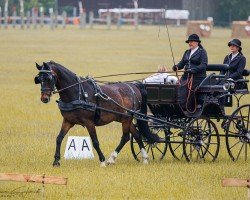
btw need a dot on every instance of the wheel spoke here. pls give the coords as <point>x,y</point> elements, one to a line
<point>213,143</point>
<point>152,153</point>
<point>248,118</point>
<point>159,150</point>
<point>201,156</point>
<point>208,151</point>
<point>235,144</point>
<point>246,152</point>
<point>242,119</point>
<point>191,151</point>
<point>236,134</point>
<point>148,148</point>
<point>177,147</point>
<point>206,131</point>
<point>239,151</point>
<point>197,156</point>
<point>202,153</point>
<point>207,136</point>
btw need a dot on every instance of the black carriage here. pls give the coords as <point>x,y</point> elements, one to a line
<point>195,136</point>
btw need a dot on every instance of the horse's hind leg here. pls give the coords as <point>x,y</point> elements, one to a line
<point>138,139</point>
<point>92,132</point>
<point>66,126</point>
<point>124,139</point>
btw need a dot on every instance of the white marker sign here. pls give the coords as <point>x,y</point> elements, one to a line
<point>78,148</point>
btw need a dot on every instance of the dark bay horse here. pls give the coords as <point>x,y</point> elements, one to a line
<point>115,97</point>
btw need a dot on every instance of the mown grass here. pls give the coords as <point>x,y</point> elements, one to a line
<point>28,128</point>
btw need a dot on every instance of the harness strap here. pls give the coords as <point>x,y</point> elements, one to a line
<point>82,92</point>
<point>134,94</point>
<point>97,88</point>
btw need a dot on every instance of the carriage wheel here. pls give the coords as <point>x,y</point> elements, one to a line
<point>155,151</point>
<point>175,140</point>
<point>238,133</point>
<point>201,141</point>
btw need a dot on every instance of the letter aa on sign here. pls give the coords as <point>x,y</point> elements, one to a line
<point>78,148</point>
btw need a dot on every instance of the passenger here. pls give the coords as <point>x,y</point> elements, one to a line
<point>194,62</point>
<point>161,77</point>
<point>236,61</point>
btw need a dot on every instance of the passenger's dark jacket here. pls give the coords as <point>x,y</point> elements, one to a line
<point>236,66</point>
<point>197,63</point>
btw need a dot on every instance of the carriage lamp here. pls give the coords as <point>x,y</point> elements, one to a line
<point>229,85</point>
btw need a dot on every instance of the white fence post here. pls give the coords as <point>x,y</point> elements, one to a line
<point>136,23</point>
<point>0,17</point>
<point>91,19</point>
<point>28,19</point>
<point>14,15</point>
<point>82,20</point>
<point>119,20</point>
<point>51,18</point>
<point>64,15</point>
<point>34,17</point>
<point>82,16</point>
<point>6,14</point>
<point>21,14</point>
<point>136,14</point>
<point>41,10</point>
<point>108,20</point>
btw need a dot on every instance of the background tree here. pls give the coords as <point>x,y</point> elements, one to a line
<point>230,10</point>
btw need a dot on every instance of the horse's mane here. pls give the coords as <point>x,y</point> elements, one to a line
<point>61,68</point>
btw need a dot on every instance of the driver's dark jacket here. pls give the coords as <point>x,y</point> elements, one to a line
<point>197,63</point>
<point>236,66</point>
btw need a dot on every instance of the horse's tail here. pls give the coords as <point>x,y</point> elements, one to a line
<point>143,125</point>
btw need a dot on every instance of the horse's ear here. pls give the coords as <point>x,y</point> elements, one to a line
<point>38,67</point>
<point>46,66</point>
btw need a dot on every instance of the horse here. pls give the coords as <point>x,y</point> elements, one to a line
<point>86,103</point>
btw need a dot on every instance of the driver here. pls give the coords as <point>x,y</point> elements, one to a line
<point>194,62</point>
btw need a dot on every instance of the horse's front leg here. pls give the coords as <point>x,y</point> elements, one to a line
<point>92,132</point>
<point>66,126</point>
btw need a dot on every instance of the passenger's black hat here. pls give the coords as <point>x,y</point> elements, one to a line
<point>193,37</point>
<point>235,42</point>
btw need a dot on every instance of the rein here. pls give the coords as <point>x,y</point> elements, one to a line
<point>111,75</point>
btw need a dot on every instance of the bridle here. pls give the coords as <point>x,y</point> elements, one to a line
<point>50,78</point>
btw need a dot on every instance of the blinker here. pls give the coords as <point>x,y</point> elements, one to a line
<point>37,80</point>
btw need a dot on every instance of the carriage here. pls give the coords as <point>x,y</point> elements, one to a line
<point>197,136</point>
<point>194,136</point>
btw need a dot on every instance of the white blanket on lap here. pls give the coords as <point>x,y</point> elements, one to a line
<point>161,78</point>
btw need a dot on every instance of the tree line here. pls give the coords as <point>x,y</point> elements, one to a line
<point>225,12</point>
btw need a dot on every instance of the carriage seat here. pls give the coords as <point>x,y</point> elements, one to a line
<point>217,67</point>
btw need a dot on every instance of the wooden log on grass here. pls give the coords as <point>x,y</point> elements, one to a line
<point>235,182</point>
<point>33,178</point>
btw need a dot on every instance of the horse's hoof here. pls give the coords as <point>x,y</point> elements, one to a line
<point>56,164</point>
<point>145,161</point>
<point>103,164</point>
<point>111,161</point>
<point>112,158</point>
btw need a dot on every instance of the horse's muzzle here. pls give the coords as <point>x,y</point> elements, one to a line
<point>45,98</point>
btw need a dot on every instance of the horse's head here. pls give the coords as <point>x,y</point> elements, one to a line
<point>47,78</point>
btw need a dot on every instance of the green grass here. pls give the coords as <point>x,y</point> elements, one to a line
<point>28,128</point>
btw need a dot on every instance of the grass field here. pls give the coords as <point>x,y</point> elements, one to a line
<point>28,128</point>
